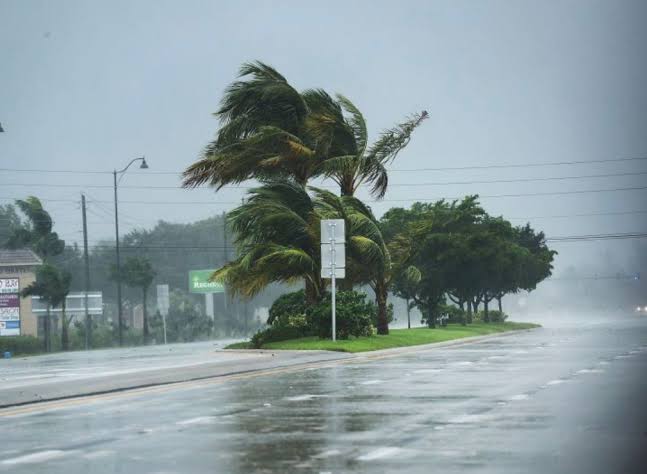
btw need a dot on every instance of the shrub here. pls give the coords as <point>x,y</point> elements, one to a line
<point>20,345</point>
<point>494,315</point>
<point>286,306</point>
<point>454,313</point>
<point>354,316</point>
<point>275,334</point>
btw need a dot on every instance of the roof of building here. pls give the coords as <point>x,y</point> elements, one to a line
<point>18,257</point>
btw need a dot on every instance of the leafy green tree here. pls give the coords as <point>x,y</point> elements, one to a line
<point>185,321</point>
<point>137,272</point>
<point>9,222</point>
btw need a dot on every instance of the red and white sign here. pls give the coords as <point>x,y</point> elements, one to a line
<point>9,307</point>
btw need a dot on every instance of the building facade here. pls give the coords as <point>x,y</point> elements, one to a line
<point>17,271</point>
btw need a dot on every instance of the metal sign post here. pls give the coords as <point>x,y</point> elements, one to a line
<point>333,259</point>
<point>163,304</point>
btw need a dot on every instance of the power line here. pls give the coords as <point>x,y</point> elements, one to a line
<point>437,183</point>
<point>593,237</point>
<point>446,168</point>
<point>567,238</point>
<point>481,196</point>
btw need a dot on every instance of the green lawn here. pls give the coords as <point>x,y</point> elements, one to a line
<point>396,338</point>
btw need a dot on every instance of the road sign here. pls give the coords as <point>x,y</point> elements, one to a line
<point>199,282</point>
<point>163,304</point>
<point>333,229</point>
<point>326,272</point>
<point>163,301</point>
<point>327,255</point>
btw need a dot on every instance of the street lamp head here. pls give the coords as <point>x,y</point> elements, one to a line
<point>143,166</point>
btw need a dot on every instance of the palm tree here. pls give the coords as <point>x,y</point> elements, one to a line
<point>37,233</point>
<point>137,272</point>
<point>351,161</point>
<point>52,286</point>
<point>269,130</point>
<point>277,235</point>
<point>278,238</point>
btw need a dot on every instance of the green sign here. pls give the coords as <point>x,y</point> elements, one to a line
<point>199,282</point>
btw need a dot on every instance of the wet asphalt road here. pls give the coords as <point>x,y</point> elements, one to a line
<point>553,400</point>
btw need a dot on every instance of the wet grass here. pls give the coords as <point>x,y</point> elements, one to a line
<point>395,338</point>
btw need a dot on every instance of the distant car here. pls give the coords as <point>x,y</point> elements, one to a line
<point>641,309</point>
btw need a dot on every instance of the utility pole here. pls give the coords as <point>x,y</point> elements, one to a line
<point>119,314</point>
<point>225,257</point>
<point>86,258</point>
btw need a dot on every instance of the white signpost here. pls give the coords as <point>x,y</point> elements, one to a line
<point>163,304</point>
<point>333,257</point>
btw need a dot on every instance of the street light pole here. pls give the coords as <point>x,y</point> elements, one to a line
<point>118,275</point>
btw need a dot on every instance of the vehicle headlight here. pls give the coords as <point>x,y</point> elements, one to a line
<point>645,309</point>
<point>638,308</point>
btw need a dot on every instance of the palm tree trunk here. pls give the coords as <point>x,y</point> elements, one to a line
<point>486,314</point>
<point>381,295</point>
<point>469,311</point>
<point>499,301</point>
<point>431,318</point>
<point>408,314</point>
<point>145,291</point>
<point>65,341</point>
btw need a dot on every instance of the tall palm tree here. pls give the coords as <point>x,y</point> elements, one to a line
<point>278,239</point>
<point>270,130</point>
<point>137,272</point>
<point>52,286</point>
<point>37,234</point>
<point>351,162</point>
<point>277,235</point>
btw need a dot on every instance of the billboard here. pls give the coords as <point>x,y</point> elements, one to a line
<point>199,282</point>
<point>9,307</point>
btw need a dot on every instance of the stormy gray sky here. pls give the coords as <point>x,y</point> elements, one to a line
<point>88,85</point>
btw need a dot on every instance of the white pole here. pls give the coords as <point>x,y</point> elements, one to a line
<point>164,325</point>
<point>332,276</point>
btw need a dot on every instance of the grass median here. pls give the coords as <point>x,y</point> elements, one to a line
<point>395,338</point>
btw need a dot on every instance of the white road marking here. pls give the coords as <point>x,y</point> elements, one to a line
<point>40,456</point>
<point>380,453</point>
<point>520,396</point>
<point>200,420</point>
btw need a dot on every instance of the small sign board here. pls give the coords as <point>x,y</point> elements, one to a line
<point>333,228</point>
<point>9,285</point>
<point>199,282</point>
<point>326,272</point>
<point>163,302</point>
<point>327,255</point>
<point>9,307</point>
